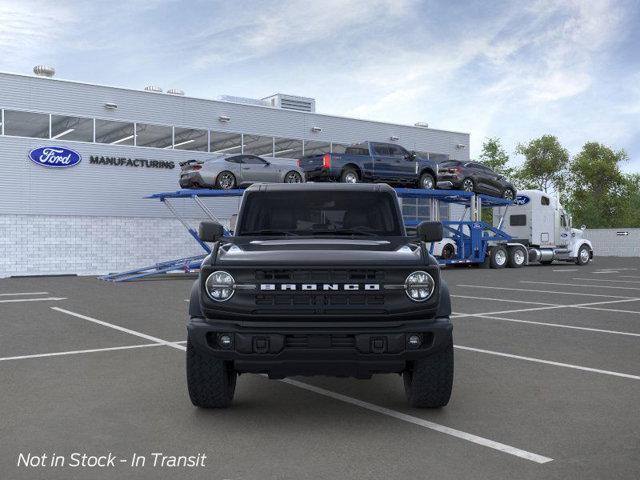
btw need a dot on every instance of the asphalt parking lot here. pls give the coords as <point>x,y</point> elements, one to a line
<point>547,385</point>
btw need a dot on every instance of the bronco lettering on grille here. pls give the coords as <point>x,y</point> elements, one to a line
<point>318,286</point>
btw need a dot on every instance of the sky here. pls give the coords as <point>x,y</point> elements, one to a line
<point>514,70</point>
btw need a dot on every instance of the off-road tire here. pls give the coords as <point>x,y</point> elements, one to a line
<point>428,381</point>
<point>495,258</point>
<point>211,382</point>
<point>349,171</point>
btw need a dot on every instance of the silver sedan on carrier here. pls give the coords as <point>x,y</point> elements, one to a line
<point>234,171</point>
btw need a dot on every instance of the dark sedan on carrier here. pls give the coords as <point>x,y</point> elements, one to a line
<point>474,177</point>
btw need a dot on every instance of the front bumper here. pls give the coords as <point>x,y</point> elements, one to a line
<point>281,350</point>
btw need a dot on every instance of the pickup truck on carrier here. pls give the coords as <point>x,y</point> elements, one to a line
<point>319,279</point>
<point>372,162</point>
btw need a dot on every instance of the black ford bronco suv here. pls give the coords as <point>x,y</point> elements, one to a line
<point>319,279</point>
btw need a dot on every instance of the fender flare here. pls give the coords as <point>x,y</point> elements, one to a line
<point>444,307</point>
<point>578,245</point>
<point>194,300</point>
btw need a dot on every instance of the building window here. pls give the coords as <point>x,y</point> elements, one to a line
<point>157,136</point>
<point>26,124</point>
<point>226,143</point>
<point>114,133</point>
<point>312,147</point>
<point>338,147</point>
<point>258,145</point>
<point>72,128</point>
<point>190,139</point>
<point>287,148</point>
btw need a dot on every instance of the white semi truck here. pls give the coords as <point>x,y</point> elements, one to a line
<point>540,223</point>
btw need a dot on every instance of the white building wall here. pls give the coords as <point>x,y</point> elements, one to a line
<point>610,242</point>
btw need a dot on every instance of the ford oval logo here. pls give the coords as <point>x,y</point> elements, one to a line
<point>521,200</point>
<point>55,157</point>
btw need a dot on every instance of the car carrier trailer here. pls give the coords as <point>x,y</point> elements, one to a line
<point>472,241</point>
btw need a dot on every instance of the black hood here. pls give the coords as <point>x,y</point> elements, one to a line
<point>396,251</point>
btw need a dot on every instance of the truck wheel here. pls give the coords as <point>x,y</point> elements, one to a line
<point>428,382</point>
<point>211,382</point>
<point>427,181</point>
<point>517,257</point>
<point>583,255</point>
<point>448,251</point>
<point>499,257</point>
<point>349,175</point>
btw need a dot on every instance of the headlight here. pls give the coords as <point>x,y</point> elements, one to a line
<point>220,286</point>
<point>419,286</point>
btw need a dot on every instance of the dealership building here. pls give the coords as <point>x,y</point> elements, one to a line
<point>92,217</point>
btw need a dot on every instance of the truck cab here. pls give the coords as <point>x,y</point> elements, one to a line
<point>538,221</point>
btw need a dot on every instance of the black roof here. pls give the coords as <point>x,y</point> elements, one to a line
<point>320,187</point>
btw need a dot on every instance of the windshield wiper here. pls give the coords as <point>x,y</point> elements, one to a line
<point>268,231</point>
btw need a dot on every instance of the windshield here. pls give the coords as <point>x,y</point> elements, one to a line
<point>331,213</point>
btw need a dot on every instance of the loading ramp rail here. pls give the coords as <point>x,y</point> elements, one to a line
<point>472,237</point>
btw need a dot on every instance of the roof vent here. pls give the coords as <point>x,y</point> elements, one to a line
<point>44,71</point>
<point>292,102</point>
<point>153,88</point>
<point>422,124</point>
<point>175,91</point>
<point>243,100</point>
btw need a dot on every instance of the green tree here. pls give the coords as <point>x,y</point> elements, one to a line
<point>495,157</point>
<point>599,193</point>
<point>631,200</point>
<point>545,165</point>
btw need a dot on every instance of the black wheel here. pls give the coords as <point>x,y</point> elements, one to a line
<point>517,257</point>
<point>293,177</point>
<point>584,255</point>
<point>509,194</point>
<point>211,382</point>
<point>428,381</point>
<point>498,257</point>
<point>225,180</point>
<point>448,251</point>
<point>427,181</point>
<point>468,185</point>
<point>349,175</point>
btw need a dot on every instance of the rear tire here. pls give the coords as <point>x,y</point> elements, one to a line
<point>499,257</point>
<point>517,257</point>
<point>349,175</point>
<point>225,180</point>
<point>211,382</point>
<point>428,382</point>
<point>448,251</point>
<point>427,181</point>
<point>293,177</point>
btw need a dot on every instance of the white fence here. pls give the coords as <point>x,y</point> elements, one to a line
<point>614,242</point>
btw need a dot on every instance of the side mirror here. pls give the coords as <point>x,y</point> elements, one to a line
<point>210,231</point>
<point>430,231</point>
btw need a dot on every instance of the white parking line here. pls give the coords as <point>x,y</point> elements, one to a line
<point>604,280</point>
<point>577,305</point>
<point>503,300</point>
<point>121,329</point>
<point>23,293</point>
<point>529,290</point>
<point>369,406</point>
<point>615,287</point>
<point>485,442</point>
<point>76,352</point>
<point>549,362</point>
<point>548,324</point>
<point>565,269</point>
<point>43,299</point>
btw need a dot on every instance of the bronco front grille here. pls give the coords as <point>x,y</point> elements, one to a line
<point>318,276</point>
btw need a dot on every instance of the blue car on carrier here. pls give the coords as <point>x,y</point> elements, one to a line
<point>372,162</point>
